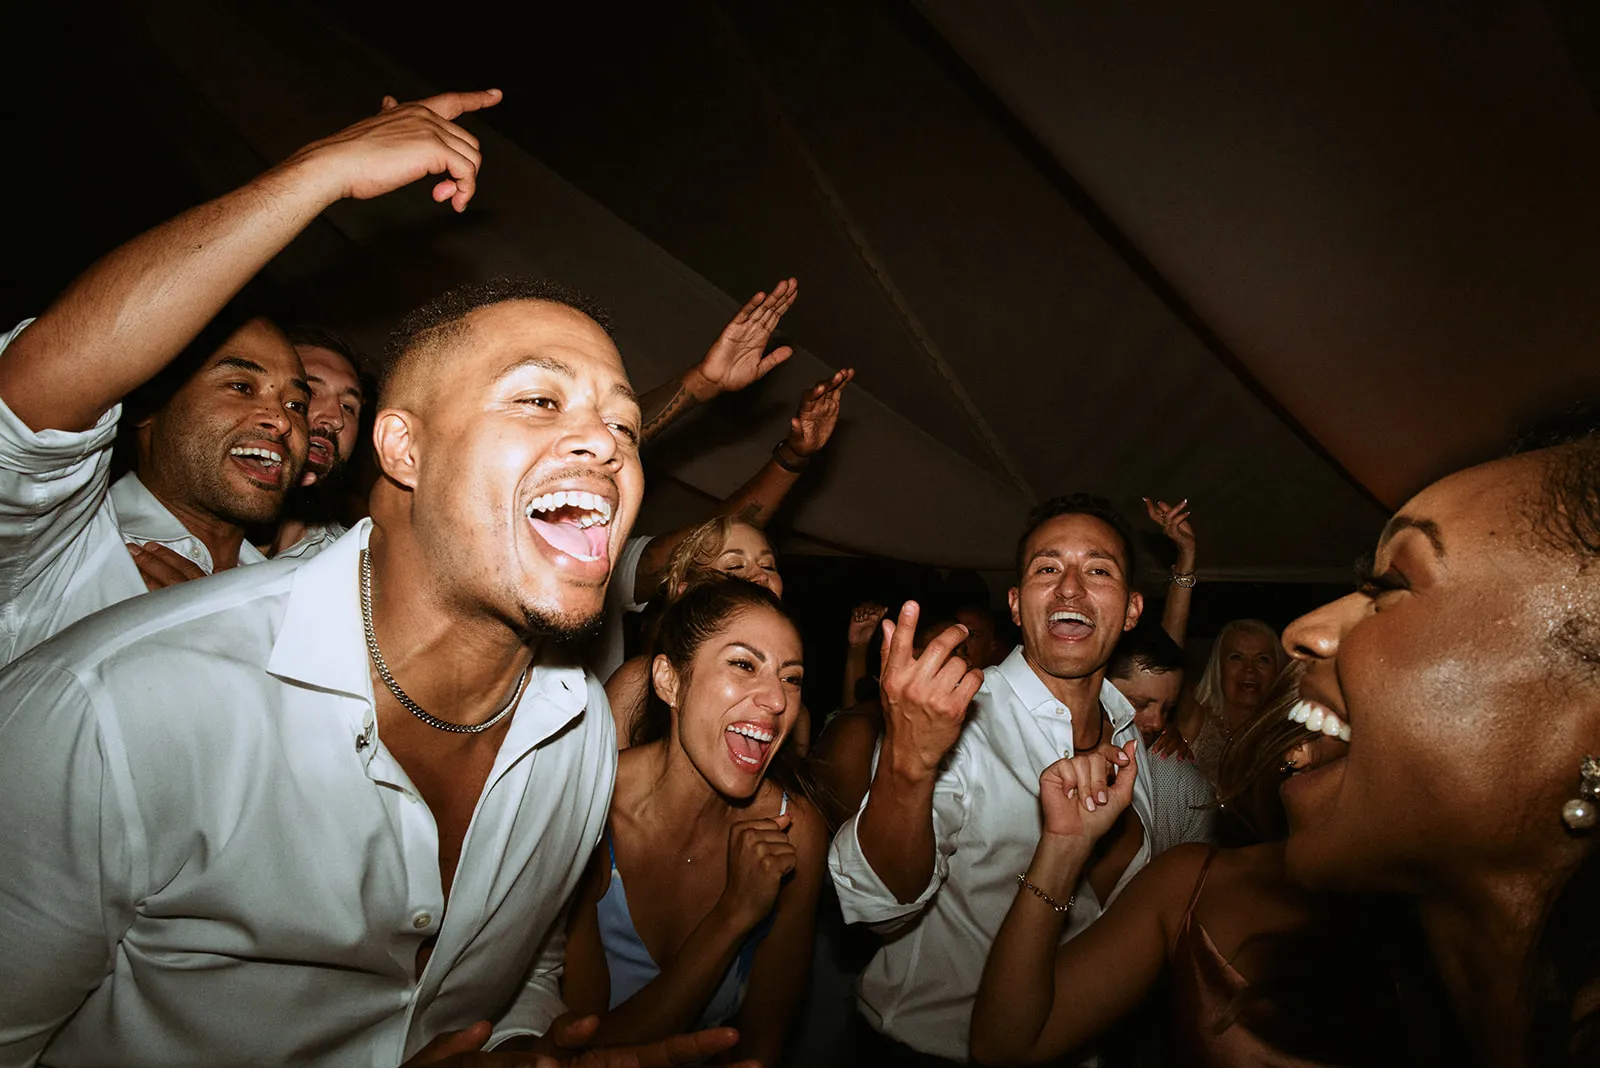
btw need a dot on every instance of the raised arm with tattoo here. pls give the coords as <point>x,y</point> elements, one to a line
<point>758,499</point>
<point>737,358</point>
<point>131,313</point>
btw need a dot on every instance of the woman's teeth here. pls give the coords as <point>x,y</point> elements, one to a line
<point>1317,718</point>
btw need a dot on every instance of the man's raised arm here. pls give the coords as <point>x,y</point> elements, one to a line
<point>925,700</point>
<point>737,358</point>
<point>135,310</point>
<point>758,499</point>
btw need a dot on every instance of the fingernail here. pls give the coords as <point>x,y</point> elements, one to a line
<point>1102,797</point>
<point>137,550</point>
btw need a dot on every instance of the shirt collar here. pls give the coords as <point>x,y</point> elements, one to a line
<point>1037,698</point>
<point>143,518</point>
<point>323,644</point>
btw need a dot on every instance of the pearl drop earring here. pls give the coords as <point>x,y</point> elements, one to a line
<point>1580,813</point>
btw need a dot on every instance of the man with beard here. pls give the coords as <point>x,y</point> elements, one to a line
<point>952,815</point>
<point>312,512</point>
<point>330,813</point>
<point>310,519</point>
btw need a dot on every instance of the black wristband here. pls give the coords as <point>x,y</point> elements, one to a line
<point>794,468</point>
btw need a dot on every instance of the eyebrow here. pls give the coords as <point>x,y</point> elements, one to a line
<point>239,363</point>
<point>1427,527</point>
<point>1090,554</point>
<point>351,390</point>
<point>759,655</point>
<point>559,367</point>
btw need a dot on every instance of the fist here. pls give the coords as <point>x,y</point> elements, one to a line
<point>1083,795</point>
<point>760,857</point>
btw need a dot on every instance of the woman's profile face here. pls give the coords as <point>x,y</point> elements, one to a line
<point>741,699</point>
<point>1249,665</point>
<point>1467,717</point>
<point>746,554</point>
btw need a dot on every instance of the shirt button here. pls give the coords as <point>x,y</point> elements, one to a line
<point>421,920</point>
<point>1060,711</point>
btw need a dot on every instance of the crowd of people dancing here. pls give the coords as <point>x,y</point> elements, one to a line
<point>347,719</point>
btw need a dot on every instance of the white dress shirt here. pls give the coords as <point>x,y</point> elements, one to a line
<point>919,988</point>
<point>607,652</point>
<point>208,856</point>
<point>63,535</point>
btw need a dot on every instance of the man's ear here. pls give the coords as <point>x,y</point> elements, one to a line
<point>665,680</point>
<point>395,442</point>
<point>1135,610</point>
<point>1014,599</point>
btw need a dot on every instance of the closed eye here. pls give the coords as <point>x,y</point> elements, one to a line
<point>1371,584</point>
<point>626,431</point>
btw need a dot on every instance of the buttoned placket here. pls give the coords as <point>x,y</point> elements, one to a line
<point>531,724</point>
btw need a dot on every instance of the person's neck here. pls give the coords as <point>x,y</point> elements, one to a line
<point>1480,942</point>
<point>220,536</point>
<point>679,795</point>
<point>1082,698</point>
<point>458,667</point>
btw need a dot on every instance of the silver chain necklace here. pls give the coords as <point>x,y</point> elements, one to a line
<point>394,687</point>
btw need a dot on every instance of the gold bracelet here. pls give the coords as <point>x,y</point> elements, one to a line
<point>1042,896</point>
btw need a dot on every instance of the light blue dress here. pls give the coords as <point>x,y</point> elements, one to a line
<point>631,965</point>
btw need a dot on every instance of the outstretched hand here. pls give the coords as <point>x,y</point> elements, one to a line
<point>1083,795</point>
<point>739,356</point>
<point>925,698</point>
<point>818,414</point>
<point>401,144</point>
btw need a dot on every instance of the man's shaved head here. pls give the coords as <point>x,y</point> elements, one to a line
<point>418,346</point>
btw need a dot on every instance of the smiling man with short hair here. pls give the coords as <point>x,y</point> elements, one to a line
<point>330,812</point>
<point>952,815</point>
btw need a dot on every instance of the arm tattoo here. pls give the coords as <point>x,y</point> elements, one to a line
<point>680,401</point>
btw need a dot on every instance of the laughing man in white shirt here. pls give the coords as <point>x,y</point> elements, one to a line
<point>330,813</point>
<point>952,816</point>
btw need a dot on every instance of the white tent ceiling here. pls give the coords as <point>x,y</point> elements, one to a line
<point>1285,265</point>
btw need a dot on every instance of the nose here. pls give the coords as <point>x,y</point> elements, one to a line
<point>328,414</point>
<point>769,695</point>
<point>273,417</point>
<point>1316,635</point>
<point>588,437</point>
<point>1070,582</point>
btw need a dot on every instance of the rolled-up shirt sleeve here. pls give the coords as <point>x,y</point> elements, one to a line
<point>539,1001</point>
<point>863,897</point>
<point>52,483</point>
<point>66,898</point>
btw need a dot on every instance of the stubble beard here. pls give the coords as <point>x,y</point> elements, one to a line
<point>204,484</point>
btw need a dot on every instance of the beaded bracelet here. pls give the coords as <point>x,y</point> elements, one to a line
<point>1042,896</point>
<point>1183,578</point>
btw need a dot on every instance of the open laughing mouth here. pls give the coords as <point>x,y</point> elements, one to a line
<point>319,455</point>
<point>1070,626</point>
<point>261,464</point>
<point>1323,757</point>
<point>748,745</point>
<point>575,527</point>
